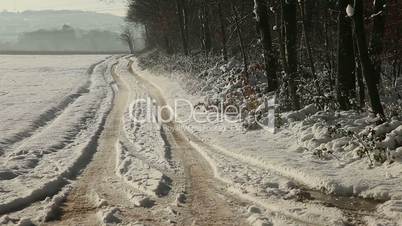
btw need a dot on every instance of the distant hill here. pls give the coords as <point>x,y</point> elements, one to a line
<point>69,39</point>
<point>14,24</point>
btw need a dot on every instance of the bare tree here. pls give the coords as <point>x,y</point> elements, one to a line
<point>223,31</point>
<point>346,80</point>
<point>264,27</point>
<point>368,70</point>
<point>377,36</point>
<point>305,23</point>
<point>289,8</point>
<point>236,16</point>
<point>181,17</point>
<point>127,36</point>
<point>205,27</point>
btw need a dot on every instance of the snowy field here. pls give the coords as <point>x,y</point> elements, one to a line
<point>76,134</point>
<point>51,108</point>
<point>33,88</point>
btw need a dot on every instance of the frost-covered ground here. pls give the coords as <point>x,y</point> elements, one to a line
<point>78,159</point>
<point>143,154</point>
<point>54,116</point>
<point>35,88</point>
<point>303,150</point>
<point>51,110</point>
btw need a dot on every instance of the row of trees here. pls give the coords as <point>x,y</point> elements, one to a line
<point>337,45</point>
<point>67,38</point>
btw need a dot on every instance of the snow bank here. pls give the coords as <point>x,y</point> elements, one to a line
<point>109,216</point>
<point>392,209</point>
<point>50,210</point>
<point>301,114</point>
<point>268,189</point>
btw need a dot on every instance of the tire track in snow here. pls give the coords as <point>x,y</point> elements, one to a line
<point>207,204</point>
<point>45,119</point>
<point>100,179</point>
<point>54,186</point>
<point>353,209</point>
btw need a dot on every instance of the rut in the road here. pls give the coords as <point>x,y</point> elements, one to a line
<point>208,205</point>
<point>79,208</point>
<point>205,204</point>
<point>99,179</point>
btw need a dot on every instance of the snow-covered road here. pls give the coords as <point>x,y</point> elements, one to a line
<point>80,146</point>
<point>145,180</point>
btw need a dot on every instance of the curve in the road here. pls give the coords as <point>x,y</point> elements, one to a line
<point>208,204</point>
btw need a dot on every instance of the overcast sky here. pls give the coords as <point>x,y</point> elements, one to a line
<point>116,7</point>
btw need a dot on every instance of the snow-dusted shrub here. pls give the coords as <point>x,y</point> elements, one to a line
<point>222,83</point>
<point>307,90</point>
<point>392,97</point>
<point>378,143</point>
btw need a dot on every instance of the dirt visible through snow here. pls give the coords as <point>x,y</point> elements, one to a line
<point>155,173</point>
<point>205,201</point>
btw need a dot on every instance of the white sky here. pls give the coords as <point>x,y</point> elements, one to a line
<point>116,7</point>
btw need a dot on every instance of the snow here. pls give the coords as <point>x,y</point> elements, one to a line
<point>392,209</point>
<point>109,216</point>
<point>142,152</point>
<point>244,179</point>
<point>257,220</point>
<point>300,114</point>
<point>53,113</point>
<point>181,198</point>
<point>248,159</point>
<point>350,11</point>
<point>25,222</point>
<point>141,176</point>
<point>50,210</point>
<point>27,103</point>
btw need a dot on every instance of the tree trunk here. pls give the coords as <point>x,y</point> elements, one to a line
<point>359,76</point>
<point>377,36</point>
<point>360,82</point>
<point>346,80</point>
<point>206,40</point>
<point>308,45</point>
<point>308,7</point>
<point>328,50</point>
<point>396,71</point>
<point>290,25</point>
<point>398,74</point>
<point>306,36</point>
<point>328,54</point>
<point>148,42</point>
<point>168,48</point>
<point>241,40</point>
<point>264,27</point>
<point>281,31</point>
<point>223,31</point>
<point>368,70</point>
<point>131,46</point>
<point>181,18</point>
